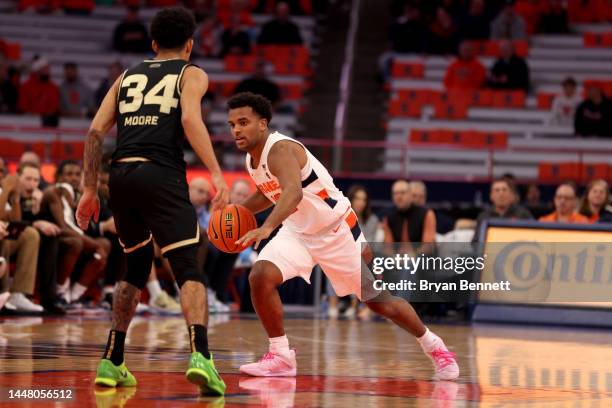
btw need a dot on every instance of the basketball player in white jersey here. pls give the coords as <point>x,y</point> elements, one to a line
<point>318,227</point>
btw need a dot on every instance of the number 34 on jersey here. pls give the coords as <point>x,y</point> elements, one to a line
<point>162,94</point>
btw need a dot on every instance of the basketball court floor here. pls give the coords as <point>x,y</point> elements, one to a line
<point>341,364</point>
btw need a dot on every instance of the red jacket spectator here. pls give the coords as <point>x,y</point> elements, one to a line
<point>466,72</point>
<point>39,95</point>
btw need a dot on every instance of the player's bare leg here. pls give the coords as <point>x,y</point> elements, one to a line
<point>125,300</point>
<point>280,361</point>
<point>400,312</point>
<point>194,303</point>
<point>264,279</point>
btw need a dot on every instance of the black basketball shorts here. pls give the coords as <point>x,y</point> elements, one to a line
<point>150,201</point>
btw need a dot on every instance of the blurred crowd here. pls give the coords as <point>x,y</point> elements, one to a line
<point>455,27</point>
<point>50,265</point>
<point>27,87</point>
<point>44,255</point>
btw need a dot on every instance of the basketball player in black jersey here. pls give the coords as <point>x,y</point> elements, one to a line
<point>155,105</point>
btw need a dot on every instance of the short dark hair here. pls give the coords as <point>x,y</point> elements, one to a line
<point>172,27</point>
<point>258,103</point>
<point>62,166</point>
<point>25,165</point>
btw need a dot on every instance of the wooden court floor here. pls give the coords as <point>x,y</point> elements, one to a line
<point>341,364</point>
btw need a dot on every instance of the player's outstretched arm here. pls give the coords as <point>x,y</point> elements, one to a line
<point>194,85</point>
<point>104,120</point>
<point>257,202</point>
<point>283,163</point>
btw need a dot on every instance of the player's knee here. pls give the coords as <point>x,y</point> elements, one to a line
<point>139,266</point>
<point>264,275</point>
<point>74,245</point>
<point>183,262</point>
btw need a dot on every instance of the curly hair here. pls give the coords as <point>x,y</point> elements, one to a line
<point>172,27</point>
<point>258,103</point>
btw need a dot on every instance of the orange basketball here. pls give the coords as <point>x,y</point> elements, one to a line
<point>228,225</point>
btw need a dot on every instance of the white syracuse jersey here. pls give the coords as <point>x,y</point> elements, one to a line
<point>322,205</point>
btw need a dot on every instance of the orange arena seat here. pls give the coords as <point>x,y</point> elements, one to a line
<point>466,138</point>
<point>605,85</point>
<point>597,40</point>
<point>67,150</point>
<point>399,108</point>
<point>509,99</point>
<point>450,110</point>
<point>594,170</point>
<point>559,171</point>
<point>239,63</point>
<point>490,48</point>
<point>545,100</point>
<point>407,69</point>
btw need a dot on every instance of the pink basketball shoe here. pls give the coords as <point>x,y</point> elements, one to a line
<point>443,360</point>
<point>272,364</point>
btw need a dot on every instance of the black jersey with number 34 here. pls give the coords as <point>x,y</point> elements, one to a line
<point>149,113</point>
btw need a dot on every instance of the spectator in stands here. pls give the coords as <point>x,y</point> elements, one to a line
<point>8,88</point>
<point>564,106</point>
<point>407,31</point>
<point>508,24</point>
<point>280,30</point>
<point>23,245</point>
<point>565,206</point>
<point>76,98</point>
<point>595,203</point>
<point>554,20</point>
<point>208,38</point>
<point>260,84</point>
<point>59,204</point>
<point>503,200</point>
<point>441,34</point>
<point>533,201</point>
<point>30,202</point>
<point>510,71</point>
<point>39,95</point>
<point>115,69</point>
<point>418,192</point>
<point>594,115</point>
<point>199,194</point>
<point>408,222</point>
<point>115,265</point>
<point>234,40</point>
<point>475,24</point>
<point>466,72</point>
<point>131,35</point>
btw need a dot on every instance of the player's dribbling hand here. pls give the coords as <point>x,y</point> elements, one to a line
<point>257,235</point>
<point>89,206</point>
<point>222,195</point>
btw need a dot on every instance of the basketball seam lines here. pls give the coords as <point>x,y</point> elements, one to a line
<point>221,230</point>
<point>237,219</point>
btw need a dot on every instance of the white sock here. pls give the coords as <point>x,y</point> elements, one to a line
<point>427,340</point>
<point>63,290</point>
<point>154,289</point>
<point>279,344</point>
<point>77,291</point>
<point>108,289</point>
